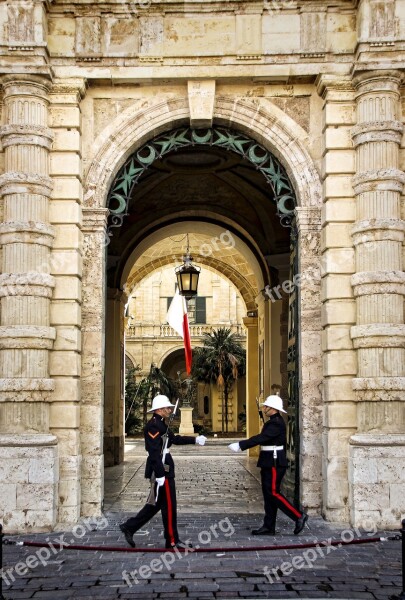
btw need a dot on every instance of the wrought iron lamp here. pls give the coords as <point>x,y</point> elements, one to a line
<point>187,276</point>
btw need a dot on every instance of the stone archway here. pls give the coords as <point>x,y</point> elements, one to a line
<point>278,133</point>
<point>258,118</point>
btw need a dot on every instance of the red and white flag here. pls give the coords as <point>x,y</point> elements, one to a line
<point>178,319</point>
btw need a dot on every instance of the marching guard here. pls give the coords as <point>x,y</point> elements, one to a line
<point>160,470</point>
<point>273,463</point>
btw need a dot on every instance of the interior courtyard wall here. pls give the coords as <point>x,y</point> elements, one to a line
<point>146,321</point>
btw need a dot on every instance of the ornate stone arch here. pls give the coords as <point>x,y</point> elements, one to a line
<point>257,117</point>
<point>279,134</point>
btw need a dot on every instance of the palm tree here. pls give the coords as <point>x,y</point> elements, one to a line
<point>139,395</point>
<point>221,359</point>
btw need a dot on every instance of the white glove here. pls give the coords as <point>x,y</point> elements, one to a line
<point>234,447</point>
<point>200,440</point>
<point>160,481</point>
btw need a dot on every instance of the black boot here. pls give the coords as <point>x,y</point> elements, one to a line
<point>128,535</point>
<point>300,523</point>
<point>264,531</point>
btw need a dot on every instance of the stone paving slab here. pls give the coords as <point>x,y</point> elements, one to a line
<point>368,572</point>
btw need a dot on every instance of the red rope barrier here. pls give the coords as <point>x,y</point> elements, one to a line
<point>322,543</point>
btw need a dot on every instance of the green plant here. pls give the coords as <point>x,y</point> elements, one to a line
<point>221,359</point>
<point>201,430</point>
<point>139,395</point>
<point>134,397</point>
<point>242,419</point>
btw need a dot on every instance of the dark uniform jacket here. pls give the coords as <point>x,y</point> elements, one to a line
<point>153,432</point>
<point>272,434</point>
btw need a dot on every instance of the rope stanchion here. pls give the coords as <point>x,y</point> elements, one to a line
<point>198,549</point>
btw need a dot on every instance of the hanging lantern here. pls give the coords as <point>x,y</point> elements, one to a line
<point>187,276</point>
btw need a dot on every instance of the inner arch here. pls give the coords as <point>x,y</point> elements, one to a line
<point>274,173</point>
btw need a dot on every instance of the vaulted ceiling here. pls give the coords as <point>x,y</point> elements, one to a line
<point>203,185</point>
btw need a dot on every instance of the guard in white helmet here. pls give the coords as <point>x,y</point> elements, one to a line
<point>163,473</point>
<point>273,464</point>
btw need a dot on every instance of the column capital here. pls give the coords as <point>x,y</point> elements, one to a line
<point>332,87</point>
<point>377,131</point>
<point>375,230</point>
<point>94,219</point>
<point>26,284</point>
<point>377,80</point>
<point>12,232</point>
<point>368,283</point>
<point>390,179</point>
<point>15,134</point>
<point>15,182</point>
<point>250,322</point>
<point>379,389</point>
<point>308,218</point>
<point>26,84</point>
<point>73,89</point>
<point>378,335</point>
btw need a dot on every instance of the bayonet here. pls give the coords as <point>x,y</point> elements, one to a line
<point>258,408</point>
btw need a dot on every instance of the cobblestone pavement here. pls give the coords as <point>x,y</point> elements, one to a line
<point>219,503</point>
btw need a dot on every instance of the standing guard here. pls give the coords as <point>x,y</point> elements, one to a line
<point>160,470</point>
<point>273,464</point>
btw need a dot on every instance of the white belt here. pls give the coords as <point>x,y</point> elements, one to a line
<point>272,448</point>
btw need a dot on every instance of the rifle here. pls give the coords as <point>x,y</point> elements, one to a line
<point>153,496</point>
<point>258,408</point>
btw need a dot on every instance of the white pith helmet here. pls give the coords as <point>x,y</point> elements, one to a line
<point>274,402</point>
<point>160,401</point>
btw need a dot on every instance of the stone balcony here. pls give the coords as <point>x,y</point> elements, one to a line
<point>165,331</point>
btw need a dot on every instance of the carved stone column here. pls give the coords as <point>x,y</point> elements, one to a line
<point>114,378</point>
<point>25,290</point>
<point>93,327</point>
<point>253,424</point>
<point>379,288</point>
<point>309,355</point>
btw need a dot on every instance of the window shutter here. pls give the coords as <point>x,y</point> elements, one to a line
<point>200,310</point>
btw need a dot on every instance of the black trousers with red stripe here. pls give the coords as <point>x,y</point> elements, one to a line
<point>274,499</point>
<point>167,504</point>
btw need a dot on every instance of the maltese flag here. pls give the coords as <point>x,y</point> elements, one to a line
<point>178,319</point>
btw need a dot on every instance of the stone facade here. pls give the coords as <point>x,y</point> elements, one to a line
<point>83,86</point>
